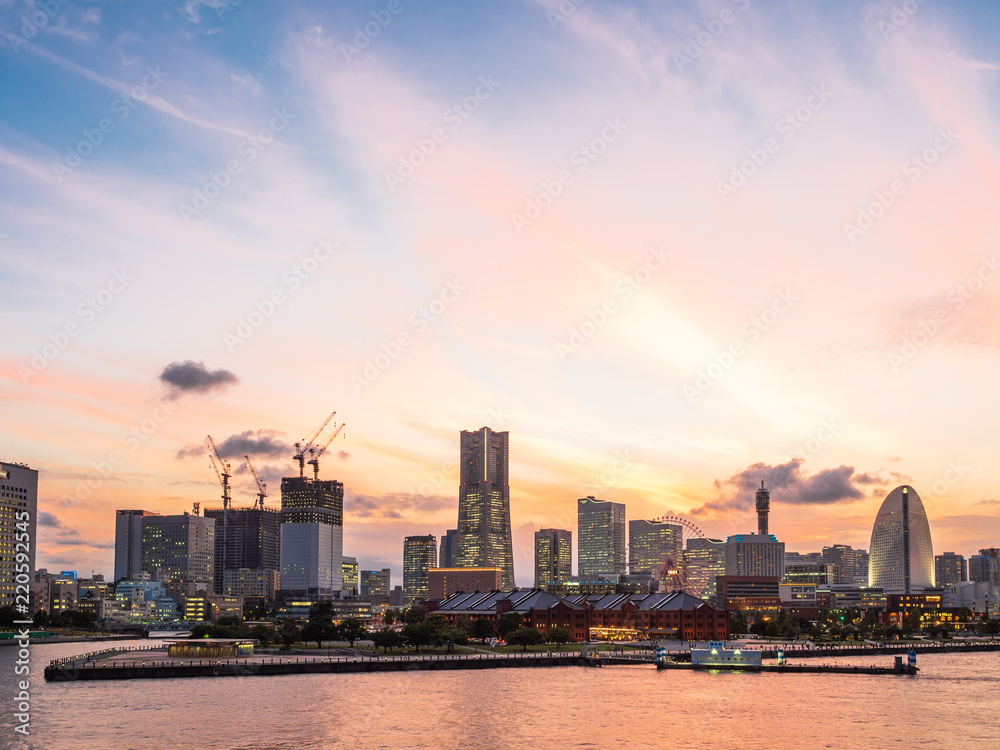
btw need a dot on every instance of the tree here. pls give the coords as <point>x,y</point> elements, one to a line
<point>322,612</point>
<point>352,629</point>
<point>390,617</point>
<point>386,638</point>
<point>417,634</point>
<point>738,622</point>
<point>525,637</point>
<point>413,615</point>
<point>451,637</point>
<point>508,622</point>
<point>759,627</point>
<point>991,627</point>
<point>560,636</point>
<point>41,618</point>
<point>289,633</point>
<point>315,630</point>
<point>7,616</point>
<point>228,620</point>
<point>264,633</point>
<point>483,628</point>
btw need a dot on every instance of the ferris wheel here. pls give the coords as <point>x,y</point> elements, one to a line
<point>674,574</point>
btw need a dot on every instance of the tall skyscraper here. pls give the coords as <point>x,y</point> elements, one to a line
<point>179,548</point>
<point>419,556</point>
<point>312,536</point>
<point>600,537</point>
<point>704,559</point>
<point>902,557</point>
<point>484,504</point>
<point>651,543</point>
<point>128,543</point>
<point>448,551</point>
<point>245,538</point>
<point>553,557</point>
<point>755,555</point>
<point>950,569</point>
<point>18,521</point>
<point>763,502</point>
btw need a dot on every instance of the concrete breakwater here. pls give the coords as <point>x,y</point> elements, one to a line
<point>155,665</point>
<point>870,649</point>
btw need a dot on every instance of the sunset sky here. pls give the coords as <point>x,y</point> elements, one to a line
<point>674,249</point>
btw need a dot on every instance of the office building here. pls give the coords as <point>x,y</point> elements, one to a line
<point>842,557</point>
<point>553,557</point>
<point>760,593</point>
<point>245,539</point>
<point>128,543</point>
<point>985,567</point>
<point>484,503</point>
<point>755,555</point>
<point>861,558</point>
<point>950,569</point>
<point>419,556</point>
<point>902,557</point>
<point>600,537</point>
<point>350,568</point>
<point>179,548</point>
<point>820,574</point>
<point>651,544</point>
<point>375,585</point>
<point>18,518</point>
<point>312,537</point>
<point>447,554</point>
<point>443,582</point>
<point>704,559</point>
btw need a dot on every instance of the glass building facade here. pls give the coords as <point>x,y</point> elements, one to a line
<point>553,557</point>
<point>901,558</point>
<point>651,544</point>
<point>600,537</point>
<point>419,556</point>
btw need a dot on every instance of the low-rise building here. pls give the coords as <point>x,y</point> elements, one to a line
<point>443,582</point>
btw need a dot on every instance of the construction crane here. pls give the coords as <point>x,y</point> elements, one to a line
<point>306,443</point>
<point>223,475</point>
<point>261,487</point>
<point>314,461</point>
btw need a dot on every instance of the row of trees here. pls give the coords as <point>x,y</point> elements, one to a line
<point>848,622</point>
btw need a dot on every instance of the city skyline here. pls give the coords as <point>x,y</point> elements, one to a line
<point>672,255</point>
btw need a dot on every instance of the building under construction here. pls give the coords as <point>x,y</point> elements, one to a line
<point>251,542</point>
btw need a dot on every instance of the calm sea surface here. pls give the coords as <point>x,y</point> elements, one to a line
<point>953,703</point>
